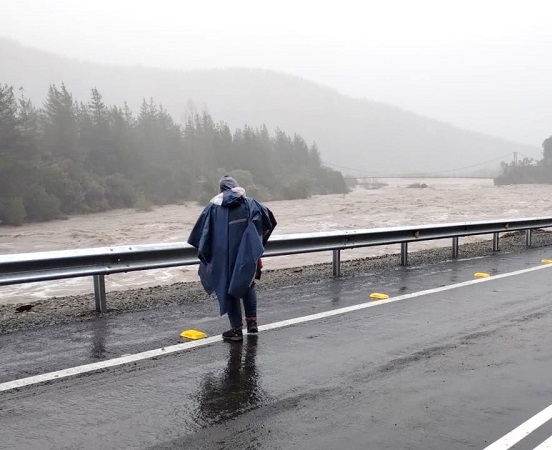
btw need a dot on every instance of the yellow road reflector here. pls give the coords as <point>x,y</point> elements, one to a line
<point>379,296</point>
<point>193,334</point>
<point>481,275</point>
<point>546,261</point>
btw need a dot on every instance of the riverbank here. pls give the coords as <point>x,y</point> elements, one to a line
<point>57,310</point>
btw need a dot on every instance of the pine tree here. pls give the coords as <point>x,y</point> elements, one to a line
<point>10,132</point>
<point>96,137</point>
<point>59,121</point>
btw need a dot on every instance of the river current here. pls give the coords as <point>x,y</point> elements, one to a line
<point>398,203</point>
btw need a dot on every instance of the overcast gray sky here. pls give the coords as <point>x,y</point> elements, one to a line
<point>484,65</point>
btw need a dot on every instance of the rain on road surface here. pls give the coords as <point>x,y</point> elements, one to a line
<point>453,368</point>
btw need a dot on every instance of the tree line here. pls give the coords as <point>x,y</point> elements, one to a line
<point>527,170</point>
<point>70,157</point>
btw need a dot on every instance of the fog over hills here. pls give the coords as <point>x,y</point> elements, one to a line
<point>356,136</point>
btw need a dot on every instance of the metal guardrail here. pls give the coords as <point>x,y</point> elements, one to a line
<point>98,262</point>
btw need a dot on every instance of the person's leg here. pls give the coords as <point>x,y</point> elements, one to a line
<point>235,318</point>
<point>250,306</point>
<point>250,302</point>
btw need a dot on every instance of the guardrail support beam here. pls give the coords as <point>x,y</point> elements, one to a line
<point>99,293</point>
<point>495,242</point>
<point>455,247</point>
<point>528,236</point>
<point>404,253</point>
<point>336,263</point>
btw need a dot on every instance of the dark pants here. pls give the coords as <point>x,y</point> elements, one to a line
<point>249,305</point>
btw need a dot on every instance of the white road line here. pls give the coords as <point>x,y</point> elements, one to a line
<point>546,445</point>
<point>526,428</point>
<point>211,340</point>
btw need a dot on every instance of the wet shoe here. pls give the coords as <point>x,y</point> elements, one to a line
<point>252,325</point>
<point>235,334</point>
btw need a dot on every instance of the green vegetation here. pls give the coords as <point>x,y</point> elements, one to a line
<point>528,171</point>
<point>69,157</point>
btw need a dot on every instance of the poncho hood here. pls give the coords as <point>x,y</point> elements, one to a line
<point>230,198</point>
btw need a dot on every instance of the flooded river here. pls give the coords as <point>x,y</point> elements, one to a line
<point>395,204</point>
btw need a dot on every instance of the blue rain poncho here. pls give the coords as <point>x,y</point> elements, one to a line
<point>230,235</point>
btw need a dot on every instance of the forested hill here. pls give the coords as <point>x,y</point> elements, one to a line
<point>73,156</point>
<point>349,132</point>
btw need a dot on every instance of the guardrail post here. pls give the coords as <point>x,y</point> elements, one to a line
<point>455,247</point>
<point>528,235</point>
<point>99,293</point>
<point>336,263</point>
<point>495,242</point>
<point>404,253</point>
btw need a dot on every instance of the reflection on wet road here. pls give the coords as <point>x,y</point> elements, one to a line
<point>229,393</point>
<point>100,329</point>
<point>452,369</point>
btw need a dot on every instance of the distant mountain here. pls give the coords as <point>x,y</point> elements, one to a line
<point>351,133</point>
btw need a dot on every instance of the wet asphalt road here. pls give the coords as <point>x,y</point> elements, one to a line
<point>456,369</point>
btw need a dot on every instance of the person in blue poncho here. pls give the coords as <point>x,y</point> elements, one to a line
<point>230,235</point>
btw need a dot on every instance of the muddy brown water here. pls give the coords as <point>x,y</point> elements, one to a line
<point>396,204</point>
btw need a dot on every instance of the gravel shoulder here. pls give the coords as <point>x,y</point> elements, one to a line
<point>59,310</point>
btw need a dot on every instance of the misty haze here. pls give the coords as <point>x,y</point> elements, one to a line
<point>362,123</point>
<point>110,112</point>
